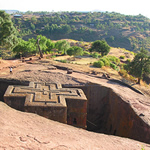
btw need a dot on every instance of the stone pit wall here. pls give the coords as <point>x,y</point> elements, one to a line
<point>124,121</point>
<point>109,113</point>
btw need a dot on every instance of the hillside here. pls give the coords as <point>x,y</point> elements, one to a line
<point>125,31</point>
<point>11,11</point>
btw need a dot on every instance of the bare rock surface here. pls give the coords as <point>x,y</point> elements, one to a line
<point>21,130</point>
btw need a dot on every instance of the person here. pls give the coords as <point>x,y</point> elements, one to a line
<point>10,70</point>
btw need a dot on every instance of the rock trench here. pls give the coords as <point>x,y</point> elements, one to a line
<point>107,112</point>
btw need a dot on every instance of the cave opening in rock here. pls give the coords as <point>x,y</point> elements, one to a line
<point>75,121</point>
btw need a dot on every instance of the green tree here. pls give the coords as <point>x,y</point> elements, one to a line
<point>29,47</point>
<point>66,29</point>
<point>42,42</point>
<point>32,26</point>
<point>75,50</point>
<point>50,45</point>
<point>70,51</point>
<point>62,46</point>
<point>100,46</point>
<point>140,65</point>
<point>24,48</point>
<point>8,33</point>
<point>33,19</point>
<point>112,38</point>
<point>98,64</point>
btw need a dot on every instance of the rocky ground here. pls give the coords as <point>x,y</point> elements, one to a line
<point>35,71</point>
<point>26,131</point>
<point>20,130</point>
<point>42,70</point>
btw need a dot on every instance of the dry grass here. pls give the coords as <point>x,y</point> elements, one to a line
<point>77,60</point>
<point>117,52</point>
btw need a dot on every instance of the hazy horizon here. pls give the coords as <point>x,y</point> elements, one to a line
<point>127,7</point>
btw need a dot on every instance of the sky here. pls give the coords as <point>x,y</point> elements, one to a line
<point>127,7</point>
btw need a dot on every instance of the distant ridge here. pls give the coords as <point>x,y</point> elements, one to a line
<point>11,11</point>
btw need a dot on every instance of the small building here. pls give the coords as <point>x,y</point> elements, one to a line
<point>42,28</point>
<point>18,16</point>
<point>92,25</point>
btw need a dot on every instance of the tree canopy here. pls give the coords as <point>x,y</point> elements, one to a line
<point>62,46</point>
<point>100,46</point>
<point>88,26</point>
<point>140,65</point>
<point>29,47</point>
<point>24,48</point>
<point>75,50</point>
<point>8,33</point>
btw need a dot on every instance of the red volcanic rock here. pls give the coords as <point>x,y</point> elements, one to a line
<point>19,130</point>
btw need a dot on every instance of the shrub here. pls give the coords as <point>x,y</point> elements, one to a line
<point>95,55</point>
<point>110,61</point>
<point>63,61</point>
<point>133,53</point>
<point>128,60</point>
<point>115,67</point>
<point>131,78</point>
<point>98,64</point>
<point>114,59</point>
<point>122,57</point>
<point>75,50</point>
<point>123,73</point>
<point>85,53</point>
<point>126,67</point>
<point>70,51</point>
<point>53,56</point>
<point>105,61</point>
